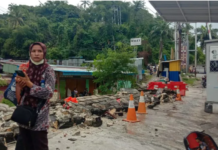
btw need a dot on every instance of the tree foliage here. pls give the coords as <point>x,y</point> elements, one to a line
<point>69,31</point>
<point>112,66</point>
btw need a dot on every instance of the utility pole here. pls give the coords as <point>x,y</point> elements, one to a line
<point>180,40</point>
<point>196,45</point>
<point>176,41</point>
<point>187,52</point>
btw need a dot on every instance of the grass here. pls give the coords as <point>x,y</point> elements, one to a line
<point>7,102</point>
<point>3,83</point>
<point>148,77</point>
<point>190,81</point>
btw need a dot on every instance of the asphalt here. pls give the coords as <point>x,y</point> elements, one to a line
<point>161,129</point>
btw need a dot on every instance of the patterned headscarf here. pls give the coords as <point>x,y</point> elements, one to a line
<point>35,73</point>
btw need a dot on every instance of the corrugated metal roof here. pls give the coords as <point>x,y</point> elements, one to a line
<point>187,11</point>
<point>71,69</point>
<point>170,61</point>
<point>11,62</point>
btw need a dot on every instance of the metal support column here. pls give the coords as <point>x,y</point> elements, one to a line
<point>196,45</point>
<point>175,42</point>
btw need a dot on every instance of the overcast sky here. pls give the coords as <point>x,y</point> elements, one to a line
<point>4,6</point>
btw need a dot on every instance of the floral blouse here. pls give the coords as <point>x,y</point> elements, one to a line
<point>42,122</point>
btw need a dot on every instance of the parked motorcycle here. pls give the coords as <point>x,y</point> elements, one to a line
<point>204,81</point>
<point>199,141</point>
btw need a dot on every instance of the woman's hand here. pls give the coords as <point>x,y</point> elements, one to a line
<point>24,81</point>
<point>19,83</point>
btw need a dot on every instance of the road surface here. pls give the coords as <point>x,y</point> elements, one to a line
<point>161,129</point>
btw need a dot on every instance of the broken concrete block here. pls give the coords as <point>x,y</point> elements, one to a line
<point>7,116</point>
<point>88,121</point>
<point>52,112</point>
<point>3,145</point>
<point>78,120</point>
<point>109,124</point>
<point>95,101</point>
<point>97,122</point>
<point>9,136</point>
<point>54,124</point>
<point>64,125</point>
<point>95,105</point>
<point>77,133</point>
<point>72,139</point>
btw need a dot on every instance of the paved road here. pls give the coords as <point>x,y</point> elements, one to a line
<point>161,129</point>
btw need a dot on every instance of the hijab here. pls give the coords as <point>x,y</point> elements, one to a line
<point>35,72</point>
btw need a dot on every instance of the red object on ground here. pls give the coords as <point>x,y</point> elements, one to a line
<point>118,100</point>
<point>182,86</point>
<point>153,85</point>
<point>192,141</point>
<point>70,99</point>
<point>182,92</point>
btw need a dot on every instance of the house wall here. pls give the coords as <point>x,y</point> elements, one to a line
<point>80,84</point>
<point>10,68</point>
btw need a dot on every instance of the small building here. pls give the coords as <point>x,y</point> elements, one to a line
<point>71,78</point>
<point>171,69</point>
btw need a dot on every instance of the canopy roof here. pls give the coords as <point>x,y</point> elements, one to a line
<point>187,11</point>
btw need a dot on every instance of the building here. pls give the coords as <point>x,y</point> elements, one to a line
<point>70,77</point>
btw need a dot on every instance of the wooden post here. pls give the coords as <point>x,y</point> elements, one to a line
<point>58,83</point>
<point>66,89</point>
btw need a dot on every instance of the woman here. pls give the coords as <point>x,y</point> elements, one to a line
<point>37,85</point>
<point>75,92</point>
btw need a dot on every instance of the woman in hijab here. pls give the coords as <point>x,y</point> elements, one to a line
<point>38,84</point>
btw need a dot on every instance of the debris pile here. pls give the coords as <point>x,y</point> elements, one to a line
<point>89,109</point>
<point>8,129</point>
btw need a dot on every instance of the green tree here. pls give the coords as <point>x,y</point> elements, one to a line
<point>113,66</point>
<point>161,33</point>
<point>16,16</point>
<point>85,3</point>
<point>203,34</point>
<point>56,53</point>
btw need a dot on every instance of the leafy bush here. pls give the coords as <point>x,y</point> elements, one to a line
<point>7,102</point>
<point>3,83</point>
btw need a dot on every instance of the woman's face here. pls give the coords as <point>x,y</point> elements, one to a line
<point>36,53</point>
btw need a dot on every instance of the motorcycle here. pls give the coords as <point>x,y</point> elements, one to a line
<point>199,141</point>
<point>204,81</point>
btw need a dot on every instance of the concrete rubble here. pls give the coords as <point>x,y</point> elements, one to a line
<point>87,112</point>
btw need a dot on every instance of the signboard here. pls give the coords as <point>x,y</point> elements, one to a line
<point>135,41</point>
<point>213,53</point>
<point>213,58</point>
<point>184,55</point>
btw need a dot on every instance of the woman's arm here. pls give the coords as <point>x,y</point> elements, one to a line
<point>47,91</point>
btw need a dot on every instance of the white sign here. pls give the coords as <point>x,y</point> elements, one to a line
<point>135,41</point>
<point>214,53</point>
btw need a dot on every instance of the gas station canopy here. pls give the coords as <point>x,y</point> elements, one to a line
<point>187,11</point>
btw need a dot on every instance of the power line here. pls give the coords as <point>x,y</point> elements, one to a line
<point>2,11</point>
<point>3,8</point>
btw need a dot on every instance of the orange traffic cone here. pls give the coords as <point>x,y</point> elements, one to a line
<point>178,96</point>
<point>142,104</point>
<point>131,114</point>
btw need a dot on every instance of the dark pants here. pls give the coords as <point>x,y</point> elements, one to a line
<point>19,144</point>
<point>34,140</point>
